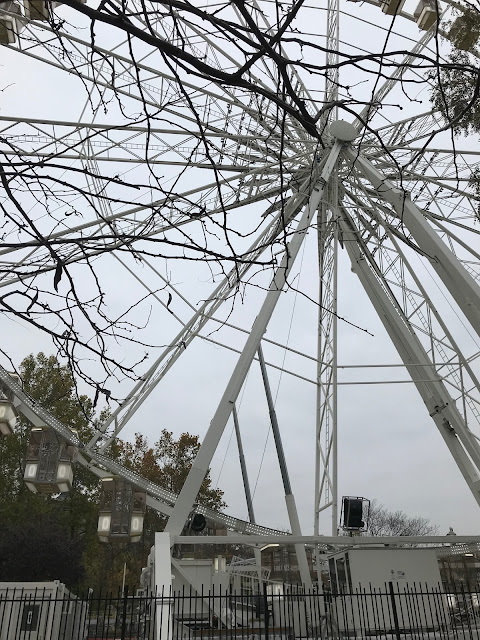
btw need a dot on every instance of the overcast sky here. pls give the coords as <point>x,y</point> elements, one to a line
<point>389,448</point>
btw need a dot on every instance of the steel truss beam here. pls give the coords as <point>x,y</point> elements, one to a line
<point>337,541</point>
<point>139,145</point>
<point>381,93</point>
<point>440,405</point>
<point>169,356</point>
<point>372,225</point>
<point>462,287</point>
<point>326,485</point>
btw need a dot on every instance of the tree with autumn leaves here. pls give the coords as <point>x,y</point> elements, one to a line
<point>47,537</point>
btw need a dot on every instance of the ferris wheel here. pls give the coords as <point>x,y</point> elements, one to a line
<point>171,162</point>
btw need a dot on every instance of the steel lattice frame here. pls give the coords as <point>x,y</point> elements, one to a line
<point>391,198</point>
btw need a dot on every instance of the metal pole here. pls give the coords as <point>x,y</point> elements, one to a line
<point>124,574</point>
<point>334,374</point>
<point>246,485</point>
<point>243,466</point>
<point>275,429</point>
<point>289,497</point>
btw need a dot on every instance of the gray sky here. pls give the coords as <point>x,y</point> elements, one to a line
<point>389,448</point>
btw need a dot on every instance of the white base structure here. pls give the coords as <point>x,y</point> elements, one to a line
<point>374,567</point>
<point>398,576</point>
<point>37,610</point>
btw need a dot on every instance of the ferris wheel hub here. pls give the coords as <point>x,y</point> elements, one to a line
<point>343,130</point>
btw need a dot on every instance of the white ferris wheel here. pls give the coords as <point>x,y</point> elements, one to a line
<point>200,199</point>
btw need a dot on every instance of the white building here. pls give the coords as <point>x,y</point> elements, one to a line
<point>403,587</point>
<point>40,610</point>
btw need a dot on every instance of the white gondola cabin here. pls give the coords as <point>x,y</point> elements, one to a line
<point>122,510</point>
<point>8,417</point>
<point>9,24</point>
<point>38,9</point>
<point>392,7</point>
<point>426,14</point>
<point>49,462</point>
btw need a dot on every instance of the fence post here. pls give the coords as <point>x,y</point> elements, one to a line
<point>266,612</point>
<point>124,612</point>
<point>394,610</point>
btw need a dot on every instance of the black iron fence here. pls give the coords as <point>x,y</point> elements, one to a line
<point>395,612</point>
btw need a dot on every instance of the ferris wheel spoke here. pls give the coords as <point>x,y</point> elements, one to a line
<point>437,194</point>
<point>136,144</point>
<point>427,162</point>
<point>115,230</point>
<point>166,360</point>
<point>137,81</point>
<point>401,133</point>
<point>399,73</point>
<point>55,141</point>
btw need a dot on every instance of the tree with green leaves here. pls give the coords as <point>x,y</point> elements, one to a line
<point>50,532</point>
<point>456,93</point>
<point>456,85</point>
<point>58,534</point>
<point>464,31</point>
<point>456,88</point>
<point>166,463</point>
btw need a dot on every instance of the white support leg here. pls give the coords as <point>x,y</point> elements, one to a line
<point>163,586</point>
<point>205,454</point>
<point>463,288</point>
<point>303,568</point>
<point>289,497</point>
<point>440,405</point>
